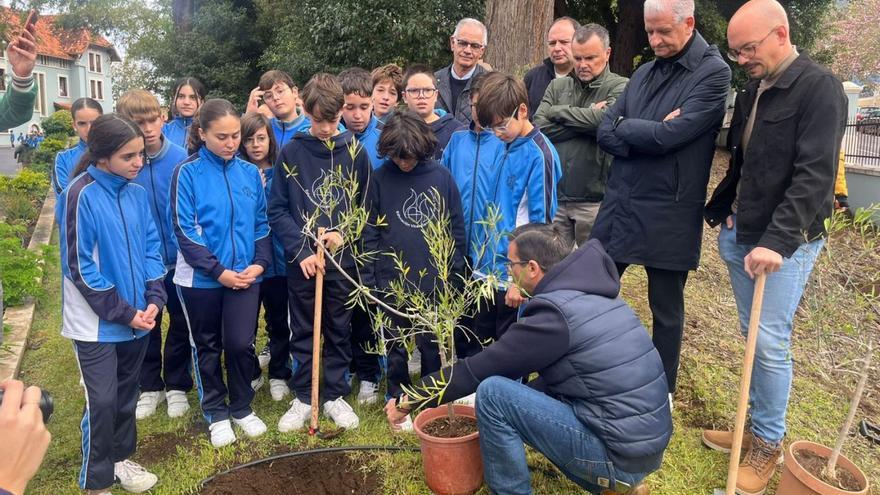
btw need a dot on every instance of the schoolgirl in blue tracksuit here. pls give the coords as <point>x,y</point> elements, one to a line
<point>112,291</point>
<point>258,146</point>
<point>84,111</point>
<point>189,93</point>
<point>407,191</point>
<point>218,212</point>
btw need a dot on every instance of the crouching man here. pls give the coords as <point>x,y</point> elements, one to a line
<point>599,408</point>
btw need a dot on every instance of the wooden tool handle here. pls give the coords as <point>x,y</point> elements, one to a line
<point>745,382</point>
<point>316,334</point>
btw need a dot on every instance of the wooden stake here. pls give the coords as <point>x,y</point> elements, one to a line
<point>316,335</point>
<point>745,382</point>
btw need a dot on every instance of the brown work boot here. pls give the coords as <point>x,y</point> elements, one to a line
<point>757,467</point>
<point>722,441</point>
<point>640,489</point>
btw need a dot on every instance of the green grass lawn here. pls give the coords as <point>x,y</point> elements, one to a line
<point>180,453</point>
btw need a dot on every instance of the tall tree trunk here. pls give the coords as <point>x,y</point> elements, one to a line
<point>629,37</point>
<point>516,33</point>
<point>182,12</point>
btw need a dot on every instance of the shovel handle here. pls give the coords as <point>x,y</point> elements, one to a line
<point>745,382</point>
<point>316,335</point>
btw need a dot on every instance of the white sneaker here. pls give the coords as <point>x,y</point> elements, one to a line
<point>264,357</point>
<point>251,425</point>
<point>341,413</point>
<point>671,407</point>
<point>177,403</point>
<point>468,400</point>
<point>368,393</point>
<point>406,426</point>
<point>221,433</point>
<point>258,383</point>
<point>295,417</point>
<point>147,404</point>
<point>278,389</point>
<point>133,477</point>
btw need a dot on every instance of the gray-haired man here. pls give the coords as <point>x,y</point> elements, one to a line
<point>468,43</point>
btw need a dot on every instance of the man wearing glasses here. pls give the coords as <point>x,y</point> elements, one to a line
<point>661,131</point>
<point>468,44</point>
<point>557,64</point>
<point>785,138</point>
<point>569,115</point>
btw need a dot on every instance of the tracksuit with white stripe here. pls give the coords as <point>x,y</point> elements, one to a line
<point>155,177</point>
<point>65,162</point>
<point>517,178</point>
<point>177,129</point>
<point>294,194</point>
<point>218,213</point>
<point>112,267</point>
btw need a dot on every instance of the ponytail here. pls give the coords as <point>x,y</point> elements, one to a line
<point>210,111</point>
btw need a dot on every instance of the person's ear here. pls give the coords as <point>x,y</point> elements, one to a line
<point>202,134</point>
<point>523,112</point>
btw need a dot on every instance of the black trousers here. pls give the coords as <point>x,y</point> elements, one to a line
<point>488,324</point>
<point>221,325</point>
<point>273,297</point>
<point>335,330</point>
<point>398,357</point>
<point>177,363</point>
<point>364,364</point>
<point>666,300</point>
<point>109,435</point>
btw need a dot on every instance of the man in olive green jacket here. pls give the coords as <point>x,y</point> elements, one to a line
<point>17,105</point>
<point>569,115</point>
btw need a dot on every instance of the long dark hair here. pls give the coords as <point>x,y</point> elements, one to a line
<point>210,111</point>
<point>250,124</point>
<point>80,103</point>
<point>107,134</point>
<point>197,87</point>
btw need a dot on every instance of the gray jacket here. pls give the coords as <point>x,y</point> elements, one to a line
<point>462,110</point>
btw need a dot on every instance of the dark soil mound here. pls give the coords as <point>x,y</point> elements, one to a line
<point>456,427</point>
<point>815,464</point>
<point>316,474</point>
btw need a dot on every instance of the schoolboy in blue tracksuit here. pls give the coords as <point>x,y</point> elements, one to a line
<point>218,211</point>
<point>189,93</point>
<point>357,114</point>
<point>520,183</point>
<point>112,291</point>
<point>407,191</point>
<point>301,169</point>
<point>175,363</point>
<point>84,111</point>
<point>420,95</point>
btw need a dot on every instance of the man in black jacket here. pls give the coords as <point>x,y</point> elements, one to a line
<point>557,64</point>
<point>662,131</point>
<point>784,142</point>
<point>598,409</point>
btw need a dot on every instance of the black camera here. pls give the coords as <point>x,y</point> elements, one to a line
<point>47,405</point>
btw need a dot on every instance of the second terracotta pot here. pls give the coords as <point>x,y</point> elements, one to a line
<point>798,481</point>
<point>453,466</point>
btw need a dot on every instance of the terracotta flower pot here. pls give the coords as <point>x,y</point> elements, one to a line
<point>453,466</point>
<point>798,481</point>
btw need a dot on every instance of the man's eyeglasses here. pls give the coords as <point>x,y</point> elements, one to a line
<point>510,264</point>
<point>464,44</point>
<point>750,49</point>
<point>420,92</point>
<point>502,127</point>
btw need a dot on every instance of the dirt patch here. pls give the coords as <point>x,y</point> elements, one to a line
<point>815,464</point>
<point>157,447</point>
<point>447,427</point>
<point>318,474</point>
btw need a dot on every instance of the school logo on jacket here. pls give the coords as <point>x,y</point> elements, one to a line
<point>324,194</point>
<point>418,209</point>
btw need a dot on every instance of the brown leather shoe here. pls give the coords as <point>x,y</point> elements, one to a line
<point>640,489</point>
<point>757,467</point>
<point>722,441</point>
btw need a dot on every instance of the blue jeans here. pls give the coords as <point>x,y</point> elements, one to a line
<point>510,413</point>
<point>771,376</point>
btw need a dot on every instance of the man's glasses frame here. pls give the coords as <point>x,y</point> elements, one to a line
<point>465,43</point>
<point>750,49</point>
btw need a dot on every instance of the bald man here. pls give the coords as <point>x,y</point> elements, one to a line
<point>558,63</point>
<point>784,142</point>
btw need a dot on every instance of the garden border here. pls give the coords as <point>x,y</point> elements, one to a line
<point>20,318</point>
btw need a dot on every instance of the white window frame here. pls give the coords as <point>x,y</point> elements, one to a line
<point>42,102</point>
<point>96,65</point>
<point>98,85</point>
<point>66,86</point>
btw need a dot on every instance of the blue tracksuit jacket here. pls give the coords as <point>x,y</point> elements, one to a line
<point>155,177</point>
<point>65,162</point>
<point>218,213</point>
<point>278,266</point>
<point>176,130</point>
<point>369,139</point>
<point>518,178</point>
<point>109,257</point>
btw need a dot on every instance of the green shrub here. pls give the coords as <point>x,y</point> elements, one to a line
<point>28,181</point>
<point>44,168</point>
<point>19,268</point>
<point>17,207</point>
<point>59,122</point>
<point>48,148</point>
